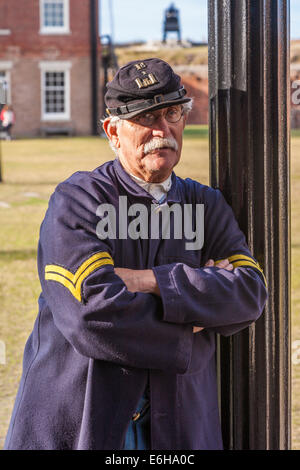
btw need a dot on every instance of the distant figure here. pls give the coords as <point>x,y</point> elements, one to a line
<point>7,118</point>
<point>171,22</point>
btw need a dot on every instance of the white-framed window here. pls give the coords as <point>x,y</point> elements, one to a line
<point>54,17</point>
<point>55,91</point>
<point>5,80</point>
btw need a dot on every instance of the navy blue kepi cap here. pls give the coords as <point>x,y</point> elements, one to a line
<point>143,85</point>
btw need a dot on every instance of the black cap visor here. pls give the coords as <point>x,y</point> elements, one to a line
<point>155,107</point>
<point>134,108</point>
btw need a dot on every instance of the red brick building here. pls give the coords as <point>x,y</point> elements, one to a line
<point>49,62</point>
<point>197,88</point>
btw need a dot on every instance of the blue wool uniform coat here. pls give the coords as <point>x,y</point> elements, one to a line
<point>95,345</point>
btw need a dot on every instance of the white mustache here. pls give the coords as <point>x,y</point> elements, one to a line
<point>158,143</point>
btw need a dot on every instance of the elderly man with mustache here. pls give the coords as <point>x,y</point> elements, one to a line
<point>122,354</point>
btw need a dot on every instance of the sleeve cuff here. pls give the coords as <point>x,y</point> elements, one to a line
<point>170,295</point>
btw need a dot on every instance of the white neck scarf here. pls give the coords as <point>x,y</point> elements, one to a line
<point>157,190</point>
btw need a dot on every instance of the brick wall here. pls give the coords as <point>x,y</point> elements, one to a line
<point>197,88</point>
<point>24,48</point>
<point>22,17</point>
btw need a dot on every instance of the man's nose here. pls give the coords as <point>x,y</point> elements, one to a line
<point>161,127</point>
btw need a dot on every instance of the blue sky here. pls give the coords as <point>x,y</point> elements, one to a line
<point>295,19</point>
<point>135,20</point>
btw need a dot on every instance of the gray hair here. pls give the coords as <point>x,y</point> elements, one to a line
<point>115,120</point>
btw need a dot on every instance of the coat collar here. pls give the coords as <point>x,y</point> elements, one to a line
<point>133,188</point>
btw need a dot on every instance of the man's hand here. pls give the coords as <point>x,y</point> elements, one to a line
<point>144,280</point>
<point>224,264</point>
<point>139,280</point>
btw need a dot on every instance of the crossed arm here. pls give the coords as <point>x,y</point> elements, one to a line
<point>104,313</point>
<point>144,280</point>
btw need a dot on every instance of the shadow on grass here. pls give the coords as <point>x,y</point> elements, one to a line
<point>17,255</point>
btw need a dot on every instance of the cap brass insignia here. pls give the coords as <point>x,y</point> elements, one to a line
<point>140,66</point>
<point>149,80</point>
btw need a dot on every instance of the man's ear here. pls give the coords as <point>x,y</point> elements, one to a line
<point>111,130</point>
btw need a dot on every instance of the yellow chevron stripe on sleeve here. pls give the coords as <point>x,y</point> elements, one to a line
<point>235,258</point>
<point>244,261</point>
<point>243,257</point>
<point>73,282</point>
<point>85,264</point>
<point>245,264</point>
<point>65,282</point>
<point>50,268</point>
<point>91,260</point>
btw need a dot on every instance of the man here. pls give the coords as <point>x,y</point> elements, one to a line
<point>122,354</point>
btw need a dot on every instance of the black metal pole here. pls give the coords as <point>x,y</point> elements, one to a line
<point>108,63</point>
<point>94,64</point>
<point>249,155</point>
<point>105,63</point>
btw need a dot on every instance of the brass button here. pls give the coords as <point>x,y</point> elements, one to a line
<point>136,416</point>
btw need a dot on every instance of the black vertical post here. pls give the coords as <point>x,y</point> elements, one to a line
<point>249,155</point>
<point>106,50</point>
<point>94,64</point>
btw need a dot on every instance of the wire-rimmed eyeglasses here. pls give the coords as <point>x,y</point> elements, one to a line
<point>172,114</point>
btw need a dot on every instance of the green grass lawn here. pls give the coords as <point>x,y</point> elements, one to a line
<point>31,170</point>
